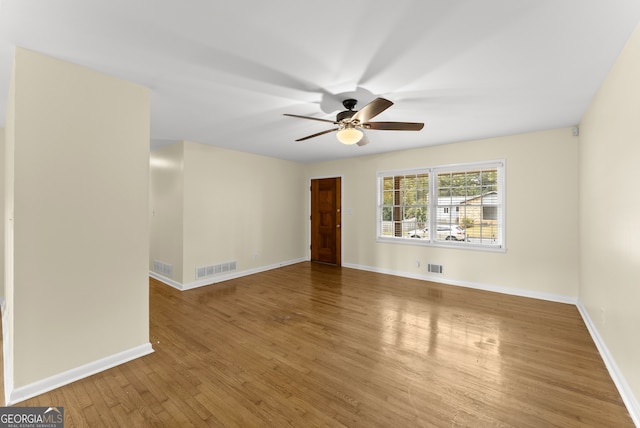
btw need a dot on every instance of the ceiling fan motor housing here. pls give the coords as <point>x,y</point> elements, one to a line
<point>345,115</point>
<point>349,104</point>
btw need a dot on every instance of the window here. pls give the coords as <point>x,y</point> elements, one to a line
<point>468,210</point>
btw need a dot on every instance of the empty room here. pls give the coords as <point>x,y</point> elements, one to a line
<point>344,214</point>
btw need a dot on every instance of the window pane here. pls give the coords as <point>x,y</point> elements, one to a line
<point>387,214</point>
<point>444,180</point>
<point>458,179</point>
<point>444,196</point>
<point>490,213</point>
<point>473,191</point>
<point>489,177</point>
<point>473,178</point>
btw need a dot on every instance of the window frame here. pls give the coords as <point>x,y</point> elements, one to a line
<point>432,206</point>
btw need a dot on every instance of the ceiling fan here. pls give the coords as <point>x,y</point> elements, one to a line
<point>351,122</point>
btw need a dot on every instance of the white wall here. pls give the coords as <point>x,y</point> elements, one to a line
<point>77,187</point>
<point>541,215</point>
<point>609,212</point>
<point>235,207</point>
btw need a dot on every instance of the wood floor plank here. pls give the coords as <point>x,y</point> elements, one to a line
<point>316,345</point>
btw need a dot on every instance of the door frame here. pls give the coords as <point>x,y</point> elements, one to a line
<point>319,177</point>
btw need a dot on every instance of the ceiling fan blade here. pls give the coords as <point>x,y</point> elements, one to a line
<point>394,126</point>
<point>317,134</point>
<point>309,117</point>
<point>363,141</point>
<point>372,109</point>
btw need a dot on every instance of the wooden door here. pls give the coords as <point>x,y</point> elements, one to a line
<point>326,234</point>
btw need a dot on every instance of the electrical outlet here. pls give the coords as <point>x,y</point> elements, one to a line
<point>417,263</point>
<point>602,318</point>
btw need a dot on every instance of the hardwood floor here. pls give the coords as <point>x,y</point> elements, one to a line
<point>316,345</point>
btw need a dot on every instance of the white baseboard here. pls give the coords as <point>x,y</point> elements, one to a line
<point>614,371</point>
<point>165,280</point>
<point>6,357</point>
<point>475,285</point>
<point>220,278</point>
<point>28,391</point>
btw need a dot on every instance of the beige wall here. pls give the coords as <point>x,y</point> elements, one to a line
<point>167,208</point>
<point>79,158</point>
<point>2,156</point>
<point>541,214</point>
<point>8,174</point>
<point>235,206</point>
<point>609,212</point>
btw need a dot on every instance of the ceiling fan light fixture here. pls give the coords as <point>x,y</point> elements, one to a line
<point>349,135</point>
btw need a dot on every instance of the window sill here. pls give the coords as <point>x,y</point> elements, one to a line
<point>439,244</point>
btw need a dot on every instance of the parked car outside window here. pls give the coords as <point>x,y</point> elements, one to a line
<point>444,232</point>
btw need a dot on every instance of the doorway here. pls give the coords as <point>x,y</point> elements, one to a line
<point>326,220</point>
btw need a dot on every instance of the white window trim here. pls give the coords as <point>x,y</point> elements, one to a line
<point>434,170</point>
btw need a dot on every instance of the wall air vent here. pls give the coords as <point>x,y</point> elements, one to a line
<point>165,269</point>
<point>204,271</point>
<point>434,268</point>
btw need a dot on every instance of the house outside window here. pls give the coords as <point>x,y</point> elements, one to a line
<point>467,212</point>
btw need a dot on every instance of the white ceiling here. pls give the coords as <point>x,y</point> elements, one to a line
<point>224,72</point>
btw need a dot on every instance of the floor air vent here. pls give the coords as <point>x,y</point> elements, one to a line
<point>434,268</point>
<point>205,271</point>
